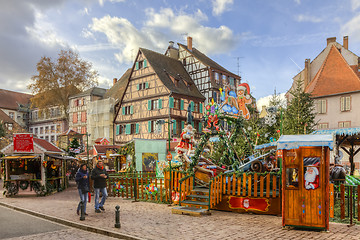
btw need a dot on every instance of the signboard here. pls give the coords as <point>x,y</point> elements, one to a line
<point>23,142</point>
<point>246,203</point>
<point>169,157</point>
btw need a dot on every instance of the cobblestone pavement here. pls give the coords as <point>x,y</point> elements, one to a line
<point>66,234</point>
<point>155,221</point>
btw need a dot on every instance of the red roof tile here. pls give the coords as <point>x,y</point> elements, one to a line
<point>10,99</point>
<point>334,77</point>
<point>47,145</point>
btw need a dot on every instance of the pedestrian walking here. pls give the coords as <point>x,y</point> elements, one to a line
<point>99,175</point>
<point>82,180</point>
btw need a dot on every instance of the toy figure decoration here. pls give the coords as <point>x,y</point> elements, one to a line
<point>211,116</point>
<point>311,178</point>
<point>186,144</point>
<point>236,104</point>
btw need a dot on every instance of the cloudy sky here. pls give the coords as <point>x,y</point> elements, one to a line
<point>265,41</point>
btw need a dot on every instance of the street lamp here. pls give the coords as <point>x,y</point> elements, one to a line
<point>87,147</point>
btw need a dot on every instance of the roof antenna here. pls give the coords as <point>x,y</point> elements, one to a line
<point>299,68</point>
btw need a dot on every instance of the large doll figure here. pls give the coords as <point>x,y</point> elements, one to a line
<point>242,99</point>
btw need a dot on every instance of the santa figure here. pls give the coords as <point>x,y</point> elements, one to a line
<point>311,178</point>
<point>186,144</point>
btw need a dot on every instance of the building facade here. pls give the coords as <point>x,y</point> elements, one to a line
<point>159,88</point>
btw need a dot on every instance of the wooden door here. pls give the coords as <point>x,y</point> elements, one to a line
<point>304,195</point>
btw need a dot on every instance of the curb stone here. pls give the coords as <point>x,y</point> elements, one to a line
<point>73,224</point>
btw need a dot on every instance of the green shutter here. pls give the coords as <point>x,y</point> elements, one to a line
<point>128,129</point>
<point>138,87</point>
<point>201,108</point>
<point>131,109</point>
<point>146,85</point>
<point>171,102</point>
<point>137,65</point>
<point>192,123</point>
<point>192,106</point>
<point>123,110</point>
<point>160,104</point>
<point>182,104</point>
<point>137,127</point>
<point>117,129</point>
<point>149,126</point>
<point>145,63</point>
<point>149,104</point>
<point>182,125</point>
<point>174,127</point>
<point>200,126</point>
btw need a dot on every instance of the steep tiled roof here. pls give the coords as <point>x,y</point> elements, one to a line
<point>10,99</point>
<point>205,59</point>
<point>47,145</point>
<point>101,149</point>
<point>165,67</point>
<point>334,77</point>
<point>117,91</point>
<point>94,91</point>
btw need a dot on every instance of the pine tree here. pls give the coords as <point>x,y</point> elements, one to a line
<point>299,117</point>
<point>74,144</point>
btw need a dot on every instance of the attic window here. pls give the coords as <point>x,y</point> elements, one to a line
<point>184,62</point>
<point>174,80</point>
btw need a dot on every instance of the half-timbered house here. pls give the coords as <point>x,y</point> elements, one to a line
<point>207,75</point>
<point>159,88</point>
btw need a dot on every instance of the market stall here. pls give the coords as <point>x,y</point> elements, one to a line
<point>33,163</point>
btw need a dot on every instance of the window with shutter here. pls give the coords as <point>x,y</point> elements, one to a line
<point>149,126</point>
<point>149,105</point>
<point>138,87</point>
<point>131,109</point>
<point>128,129</point>
<point>171,102</point>
<point>145,63</point>
<point>146,85</point>
<point>137,66</point>
<point>137,128</point>
<point>117,129</point>
<point>201,108</point>
<point>182,104</point>
<point>200,127</point>
<point>192,106</point>
<point>123,110</point>
<point>347,103</point>
<point>160,103</point>
<point>174,127</point>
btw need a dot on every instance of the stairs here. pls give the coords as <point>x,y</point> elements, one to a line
<point>195,204</point>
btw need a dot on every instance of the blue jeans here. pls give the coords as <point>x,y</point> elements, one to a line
<point>97,196</point>
<point>83,198</point>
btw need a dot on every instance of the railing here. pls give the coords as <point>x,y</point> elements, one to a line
<point>246,184</point>
<point>137,186</point>
<point>345,203</point>
<point>172,183</point>
<point>186,185</point>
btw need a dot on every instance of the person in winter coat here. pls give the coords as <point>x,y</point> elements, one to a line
<point>82,180</point>
<point>99,175</point>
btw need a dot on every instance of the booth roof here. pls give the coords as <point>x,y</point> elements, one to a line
<point>340,131</point>
<point>296,141</point>
<point>266,145</point>
<point>47,145</point>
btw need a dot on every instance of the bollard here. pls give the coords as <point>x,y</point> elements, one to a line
<point>82,212</point>
<point>117,217</point>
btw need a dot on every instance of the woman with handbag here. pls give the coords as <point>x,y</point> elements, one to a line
<point>82,180</point>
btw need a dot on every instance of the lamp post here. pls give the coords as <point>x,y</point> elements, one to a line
<point>87,147</point>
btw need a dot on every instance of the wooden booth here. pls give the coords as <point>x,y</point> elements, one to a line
<point>305,180</point>
<point>33,163</point>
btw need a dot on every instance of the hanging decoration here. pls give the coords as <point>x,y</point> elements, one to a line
<point>212,116</point>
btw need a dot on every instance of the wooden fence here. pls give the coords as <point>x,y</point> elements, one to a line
<point>251,185</point>
<point>137,186</point>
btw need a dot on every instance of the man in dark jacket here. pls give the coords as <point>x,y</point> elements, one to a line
<point>99,175</point>
<point>82,180</point>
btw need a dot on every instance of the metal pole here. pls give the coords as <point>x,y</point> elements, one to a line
<point>170,190</point>
<point>87,146</point>
<point>82,212</point>
<point>117,217</point>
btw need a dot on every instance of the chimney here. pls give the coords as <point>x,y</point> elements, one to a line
<point>330,40</point>
<point>114,81</point>
<point>171,44</point>
<point>307,72</point>
<point>346,42</point>
<point>189,43</point>
<point>172,51</point>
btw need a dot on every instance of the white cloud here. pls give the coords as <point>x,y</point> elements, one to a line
<point>352,28</point>
<point>355,4</point>
<point>298,2</point>
<point>101,2</point>
<point>265,101</point>
<point>220,6</point>
<point>159,28</point>
<point>306,18</point>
